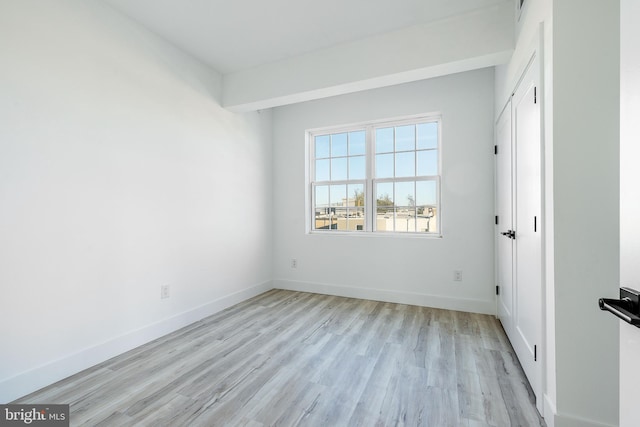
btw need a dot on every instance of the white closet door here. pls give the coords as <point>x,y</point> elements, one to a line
<point>527,333</point>
<point>519,207</point>
<point>504,212</point>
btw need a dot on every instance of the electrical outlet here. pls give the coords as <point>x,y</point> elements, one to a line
<point>457,275</point>
<point>164,291</point>
<point>294,263</point>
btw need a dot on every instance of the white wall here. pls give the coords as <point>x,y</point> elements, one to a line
<point>629,205</point>
<point>586,165</point>
<point>119,172</point>
<point>410,270</point>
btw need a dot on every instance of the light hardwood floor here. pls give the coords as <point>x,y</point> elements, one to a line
<point>290,358</point>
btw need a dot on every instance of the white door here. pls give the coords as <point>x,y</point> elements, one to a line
<point>504,222</point>
<point>519,207</point>
<point>527,319</point>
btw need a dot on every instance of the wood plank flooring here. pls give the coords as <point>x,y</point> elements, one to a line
<point>297,359</point>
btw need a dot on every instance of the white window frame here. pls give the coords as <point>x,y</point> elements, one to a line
<point>370,181</point>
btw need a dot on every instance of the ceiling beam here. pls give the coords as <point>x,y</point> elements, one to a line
<point>475,40</point>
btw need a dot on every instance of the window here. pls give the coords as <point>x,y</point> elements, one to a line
<point>379,177</point>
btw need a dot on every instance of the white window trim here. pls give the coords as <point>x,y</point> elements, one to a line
<point>369,181</point>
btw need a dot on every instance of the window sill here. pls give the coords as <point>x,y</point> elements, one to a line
<point>369,234</point>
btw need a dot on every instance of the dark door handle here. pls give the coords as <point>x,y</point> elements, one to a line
<point>509,233</point>
<point>626,308</point>
<point>619,309</point>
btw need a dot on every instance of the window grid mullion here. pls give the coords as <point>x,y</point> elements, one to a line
<point>395,201</point>
<point>415,206</point>
<point>370,202</point>
<point>331,157</point>
<point>415,156</point>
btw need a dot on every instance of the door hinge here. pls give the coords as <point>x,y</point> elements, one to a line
<point>535,95</point>
<point>495,149</point>
<point>496,219</point>
<point>535,353</point>
<point>497,290</point>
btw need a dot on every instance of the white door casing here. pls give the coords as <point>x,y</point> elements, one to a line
<point>629,206</point>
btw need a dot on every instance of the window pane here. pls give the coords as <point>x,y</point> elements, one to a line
<point>406,164</point>
<point>322,196</point>
<point>339,169</point>
<point>322,170</point>
<point>323,222</point>
<point>338,196</point>
<point>356,194</point>
<point>341,221</point>
<point>426,193</point>
<point>384,165</point>
<point>356,143</point>
<point>338,200</point>
<point>384,140</point>
<point>355,213</point>
<point>426,198</point>
<point>356,219</point>
<point>385,218</point>
<point>405,207</point>
<point>405,138</point>
<point>405,195</point>
<point>427,135</point>
<point>427,162</point>
<point>427,221</point>
<point>384,194</point>
<point>339,145</point>
<point>322,146</point>
<point>405,222</point>
<point>357,167</point>
<point>384,207</point>
<point>321,218</point>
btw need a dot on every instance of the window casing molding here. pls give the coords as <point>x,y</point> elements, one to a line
<point>420,216</point>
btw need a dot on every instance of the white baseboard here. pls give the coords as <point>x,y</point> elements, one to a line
<point>553,419</point>
<point>571,421</point>
<point>549,411</point>
<point>27,382</point>
<point>425,300</point>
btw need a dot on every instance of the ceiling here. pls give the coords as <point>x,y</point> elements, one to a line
<point>233,35</point>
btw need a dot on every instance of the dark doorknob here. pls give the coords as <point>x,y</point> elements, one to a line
<point>626,308</point>
<point>509,233</point>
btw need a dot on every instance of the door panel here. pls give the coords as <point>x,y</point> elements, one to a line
<point>527,221</point>
<point>504,212</point>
